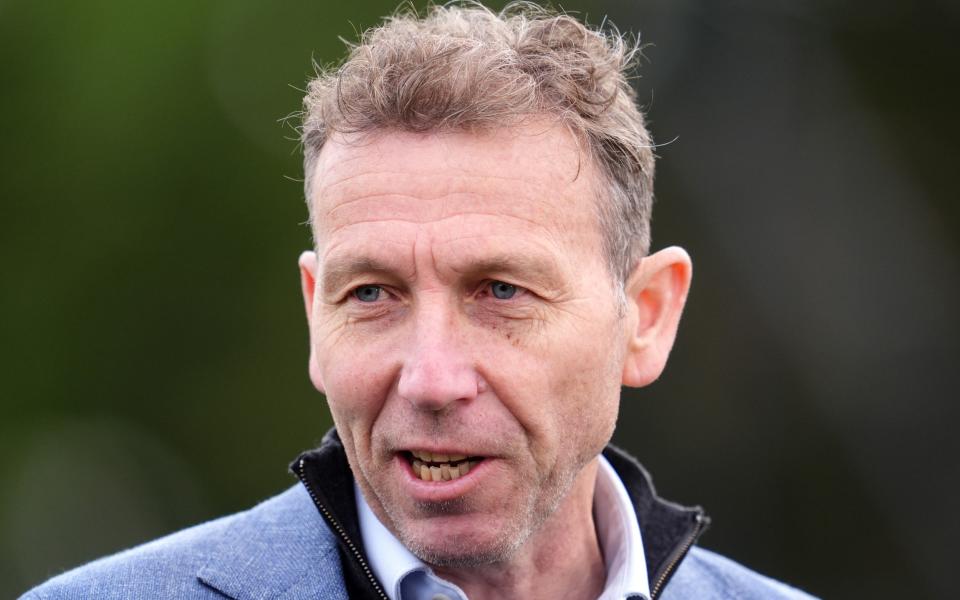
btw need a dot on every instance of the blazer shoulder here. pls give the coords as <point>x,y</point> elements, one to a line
<point>162,568</point>
<point>173,566</point>
<point>706,575</point>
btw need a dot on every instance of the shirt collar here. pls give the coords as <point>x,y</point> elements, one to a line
<point>389,559</point>
<point>617,529</point>
<point>620,540</point>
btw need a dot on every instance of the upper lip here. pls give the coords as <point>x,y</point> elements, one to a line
<point>444,454</point>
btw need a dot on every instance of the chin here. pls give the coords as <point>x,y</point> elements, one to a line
<point>460,553</point>
<point>446,545</point>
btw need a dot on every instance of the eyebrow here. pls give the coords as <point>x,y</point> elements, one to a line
<point>338,272</point>
<point>540,270</point>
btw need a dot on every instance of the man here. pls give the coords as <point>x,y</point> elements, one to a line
<point>480,188</point>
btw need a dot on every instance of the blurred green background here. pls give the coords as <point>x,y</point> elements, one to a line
<point>152,340</point>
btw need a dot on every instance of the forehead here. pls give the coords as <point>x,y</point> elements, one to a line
<point>534,173</point>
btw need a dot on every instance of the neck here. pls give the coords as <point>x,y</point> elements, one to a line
<point>561,559</point>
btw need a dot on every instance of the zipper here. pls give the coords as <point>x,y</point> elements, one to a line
<point>340,532</point>
<point>678,555</point>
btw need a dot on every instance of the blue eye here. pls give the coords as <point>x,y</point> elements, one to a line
<point>367,293</point>
<point>502,291</point>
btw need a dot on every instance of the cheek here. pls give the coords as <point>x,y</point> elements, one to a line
<point>357,376</point>
<point>589,400</point>
<point>580,392</point>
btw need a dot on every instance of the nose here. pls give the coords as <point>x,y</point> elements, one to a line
<point>437,370</point>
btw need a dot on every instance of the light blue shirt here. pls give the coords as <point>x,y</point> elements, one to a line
<point>406,577</point>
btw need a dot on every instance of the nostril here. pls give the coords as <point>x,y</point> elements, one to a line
<point>433,385</point>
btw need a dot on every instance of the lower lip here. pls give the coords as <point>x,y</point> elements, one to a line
<point>439,491</point>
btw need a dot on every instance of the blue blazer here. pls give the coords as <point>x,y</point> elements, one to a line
<point>282,549</point>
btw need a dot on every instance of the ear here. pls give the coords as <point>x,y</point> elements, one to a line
<point>308,285</point>
<point>656,293</point>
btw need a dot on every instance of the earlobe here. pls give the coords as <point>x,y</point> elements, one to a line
<point>656,294</point>
<point>308,285</point>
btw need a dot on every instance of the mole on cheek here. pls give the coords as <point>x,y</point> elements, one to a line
<point>506,333</point>
<point>514,341</point>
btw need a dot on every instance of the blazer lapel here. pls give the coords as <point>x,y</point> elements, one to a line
<point>280,549</point>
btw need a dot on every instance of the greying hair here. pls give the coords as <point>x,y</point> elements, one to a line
<point>463,67</point>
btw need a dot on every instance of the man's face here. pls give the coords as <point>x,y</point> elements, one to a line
<point>461,306</point>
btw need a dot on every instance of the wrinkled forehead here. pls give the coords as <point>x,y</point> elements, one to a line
<point>537,171</point>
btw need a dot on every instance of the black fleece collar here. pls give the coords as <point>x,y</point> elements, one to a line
<point>668,529</point>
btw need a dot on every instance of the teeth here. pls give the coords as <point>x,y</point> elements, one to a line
<point>444,472</point>
<point>438,458</point>
<point>439,467</point>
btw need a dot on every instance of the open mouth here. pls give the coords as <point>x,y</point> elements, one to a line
<point>431,466</point>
